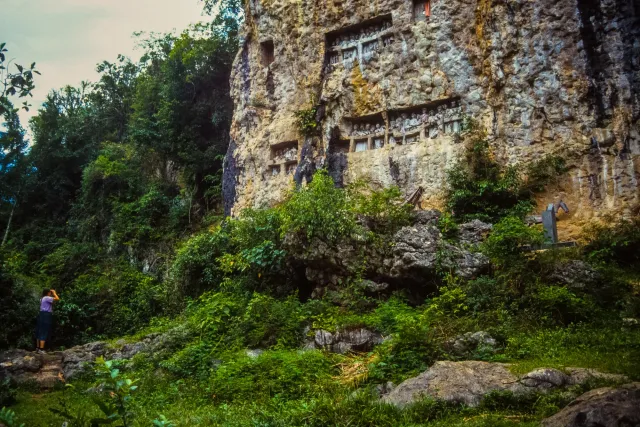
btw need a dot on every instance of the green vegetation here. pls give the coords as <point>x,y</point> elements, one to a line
<point>480,187</point>
<point>117,206</point>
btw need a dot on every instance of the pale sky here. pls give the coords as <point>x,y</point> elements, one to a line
<point>67,38</point>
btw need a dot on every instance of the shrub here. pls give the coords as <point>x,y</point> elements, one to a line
<point>195,268</point>
<point>277,374</point>
<point>319,210</point>
<point>562,305</point>
<point>479,187</point>
<point>614,240</point>
<point>306,121</point>
<point>410,350</point>
<point>506,242</point>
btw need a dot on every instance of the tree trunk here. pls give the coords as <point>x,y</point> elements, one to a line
<point>6,231</point>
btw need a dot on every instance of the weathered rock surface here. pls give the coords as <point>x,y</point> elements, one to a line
<point>542,77</point>
<point>575,274</point>
<point>415,254</point>
<point>44,370</point>
<point>468,382</point>
<point>465,345</point>
<point>345,341</point>
<point>602,407</point>
<point>474,232</point>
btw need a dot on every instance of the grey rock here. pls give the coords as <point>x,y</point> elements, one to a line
<point>415,254</point>
<point>460,382</point>
<point>254,353</point>
<point>374,287</point>
<point>466,344</point>
<point>545,378</point>
<point>630,322</point>
<point>474,232</point>
<point>583,375</point>
<point>345,341</point>
<point>602,407</point>
<point>575,274</point>
<point>384,389</point>
<point>467,382</point>
<point>429,217</point>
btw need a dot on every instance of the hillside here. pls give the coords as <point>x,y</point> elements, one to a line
<point>402,289</point>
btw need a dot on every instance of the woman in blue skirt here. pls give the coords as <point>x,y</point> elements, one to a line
<point>45,318</point>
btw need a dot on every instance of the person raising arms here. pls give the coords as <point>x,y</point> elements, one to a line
<point>45,318</point>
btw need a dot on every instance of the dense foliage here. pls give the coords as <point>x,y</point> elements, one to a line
<point>118,171</point>
<point>116,204</point>
<point>479,186</point>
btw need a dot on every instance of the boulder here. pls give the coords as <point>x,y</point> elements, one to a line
<point>467,344</point>
<point>474,232</point>
<point>345,341</point>
<point>575,274</point>
<point>428,217</point>
<point>416,255</point>
<point>467,382</point>
<point>77,360</point>
<point>602,407</point>
<point>43,370</point>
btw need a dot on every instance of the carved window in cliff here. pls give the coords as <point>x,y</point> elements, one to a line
<point>268,52</point>
<point>284,152</point>
<point>403,126</point>
<point>366,38</point>
<point>421,10</point>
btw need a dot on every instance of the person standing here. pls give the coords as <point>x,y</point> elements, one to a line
<point>45,318</point>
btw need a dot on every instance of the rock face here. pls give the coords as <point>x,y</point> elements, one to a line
<point>465,345</point>
<point>413,254</point>
<point>468,382</point>
<point>359,339</point>
<point>46,369</point>
<point>418,249</point>
<point>602,407</point>
<point>392,87</point>
<point>575,274</point>
<point>43,370</point>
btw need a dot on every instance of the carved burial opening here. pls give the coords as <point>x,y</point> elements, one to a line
<point>407,126</point>
<point>268,52</point>
<point>284,152</point>
<point>421,10</point>
<point>365,37</point>
<point>342,146</point>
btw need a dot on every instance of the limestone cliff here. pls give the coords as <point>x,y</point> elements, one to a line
<point>394,79</point>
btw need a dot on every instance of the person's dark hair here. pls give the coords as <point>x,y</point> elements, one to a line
<point>45,292</point>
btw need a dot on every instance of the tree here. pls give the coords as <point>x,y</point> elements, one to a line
<point>19,82</point>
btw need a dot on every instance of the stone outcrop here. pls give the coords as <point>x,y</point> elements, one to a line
<point>43,370</point>
<point>412,255</point>
<point>575,274</point>
<point>418,249</point>
<point>602,407</point>
<point>468,382</point>
<point>345,341</point>
<point>392,86</point>
<point>467,344</point>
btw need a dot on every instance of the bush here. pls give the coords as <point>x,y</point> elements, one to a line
<point>273,374</point>
<point>614,240</point>
<point>410,351</point>
<point>319,210</point>
<point>479,187</point>
<point>506,242</point>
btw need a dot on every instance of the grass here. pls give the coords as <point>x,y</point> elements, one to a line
<point>287,388</point>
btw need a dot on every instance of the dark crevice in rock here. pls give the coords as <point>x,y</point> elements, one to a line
<point>229,178</point>
<point>336,161</point>
<point>306,167</point>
